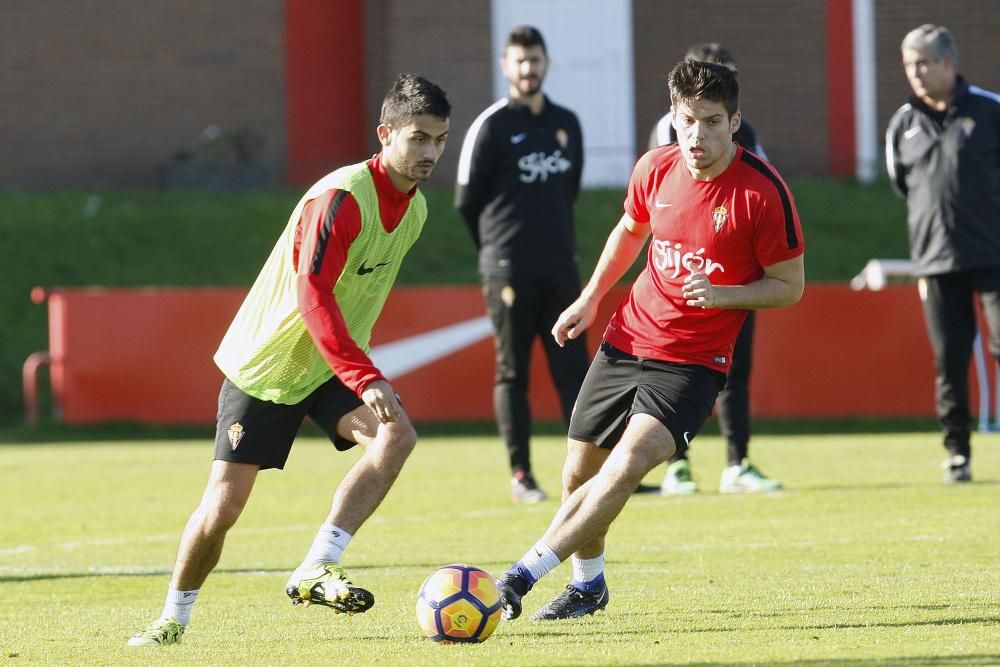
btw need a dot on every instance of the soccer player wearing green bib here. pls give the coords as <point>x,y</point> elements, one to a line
<point>299,347</point>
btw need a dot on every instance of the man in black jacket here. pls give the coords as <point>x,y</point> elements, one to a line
<point>943,156</point>
<point>733,404</point>
<point>518,177</point>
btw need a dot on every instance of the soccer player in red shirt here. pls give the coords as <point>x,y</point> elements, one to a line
<point>726,239</point>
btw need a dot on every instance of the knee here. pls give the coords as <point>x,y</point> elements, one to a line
<point>404,441</point>
<point>397,443</point>
<point>574,478</point>
<point>218,515</point>
<point>640,459</point>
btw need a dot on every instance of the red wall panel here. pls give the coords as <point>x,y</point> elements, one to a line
<point>146,355</point>
<point>324,71</point>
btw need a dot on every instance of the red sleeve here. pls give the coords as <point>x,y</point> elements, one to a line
<point>778,230</point>
<point>636,201</point>
<point>327,227</point>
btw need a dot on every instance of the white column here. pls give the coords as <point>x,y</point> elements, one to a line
<point>867,158</point>
<point>591,72</point>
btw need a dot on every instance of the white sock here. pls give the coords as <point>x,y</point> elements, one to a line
<point>538,561</point>
<point>587,569</point>
<point>179,605</point>
<point>328,546</point>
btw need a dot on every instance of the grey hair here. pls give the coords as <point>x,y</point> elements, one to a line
<point>936,39</point>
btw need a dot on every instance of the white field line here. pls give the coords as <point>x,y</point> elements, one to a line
<point>684,547</point>
<point>291,528</point>
<point>427,518</point>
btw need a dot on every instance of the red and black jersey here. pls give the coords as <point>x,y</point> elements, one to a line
<point>729,228</point>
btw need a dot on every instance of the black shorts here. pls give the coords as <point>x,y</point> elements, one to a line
<point>249,430</point>
<point>619,385</point>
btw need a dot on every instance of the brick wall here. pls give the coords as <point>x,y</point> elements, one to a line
<point>780,46</point>
<point>100,93</point>
<point>448,42</point>
<point>972,22</point>
<point>780,51</point>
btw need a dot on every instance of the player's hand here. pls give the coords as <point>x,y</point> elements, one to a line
<point>573,321</point>
<point>381,400</point>
<point>698,291</point>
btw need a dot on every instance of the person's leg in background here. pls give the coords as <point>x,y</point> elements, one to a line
<point>951,327</point>
<point>512,306</point>
<point>733,408</point>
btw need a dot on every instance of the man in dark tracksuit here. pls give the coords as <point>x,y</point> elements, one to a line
<point>518,176</point>
<point>943,156</point>
<point>733,404</point>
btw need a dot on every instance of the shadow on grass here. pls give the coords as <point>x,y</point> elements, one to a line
<point>900,661</point>
<point>577,630</point>
<point>973,620</point>
<point>161,572</point>
<point>110,572</point>
<point>50,431</point>
<point>54,432</point>
<point>931,482</point>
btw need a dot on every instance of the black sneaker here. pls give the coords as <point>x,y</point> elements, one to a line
<point>512,588</point>
<point>957,470</point>
<point>573,603</point>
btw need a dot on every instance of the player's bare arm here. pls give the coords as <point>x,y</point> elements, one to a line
<point>381,399</point>
<point>622,247</point>
<point>782,285</point>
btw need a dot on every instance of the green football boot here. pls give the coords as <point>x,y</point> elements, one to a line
<point>160,632</point>
<point>678,479</point>
<point>327,584</point>
<point>746,478</point>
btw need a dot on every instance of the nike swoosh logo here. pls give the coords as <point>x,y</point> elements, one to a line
<point>362,270</point>
<point>662,205</point>
<point>687,437</point>
<point>518,138</point>
<point>408,354</point>
<point>912,132</point>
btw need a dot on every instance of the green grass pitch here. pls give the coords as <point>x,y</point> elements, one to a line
<point>865,558</point>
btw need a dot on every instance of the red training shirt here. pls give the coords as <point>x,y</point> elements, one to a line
<point>728,228</point>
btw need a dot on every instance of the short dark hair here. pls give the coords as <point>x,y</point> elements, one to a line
<point>694,79</point>
<point>525,36</point>
<point>712,52</point>
<point>412,96</point>
<point>937,39</point>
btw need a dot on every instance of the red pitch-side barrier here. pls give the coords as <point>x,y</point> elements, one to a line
<point>146,355</point>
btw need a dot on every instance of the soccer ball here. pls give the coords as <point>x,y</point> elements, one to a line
<point>458,603</point>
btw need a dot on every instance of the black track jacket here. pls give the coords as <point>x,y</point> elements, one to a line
<point>518,176</point>
<point>947,167</point>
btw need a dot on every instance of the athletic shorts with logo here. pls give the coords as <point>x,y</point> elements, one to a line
<point>619,385</point>
<point>249,430</point>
